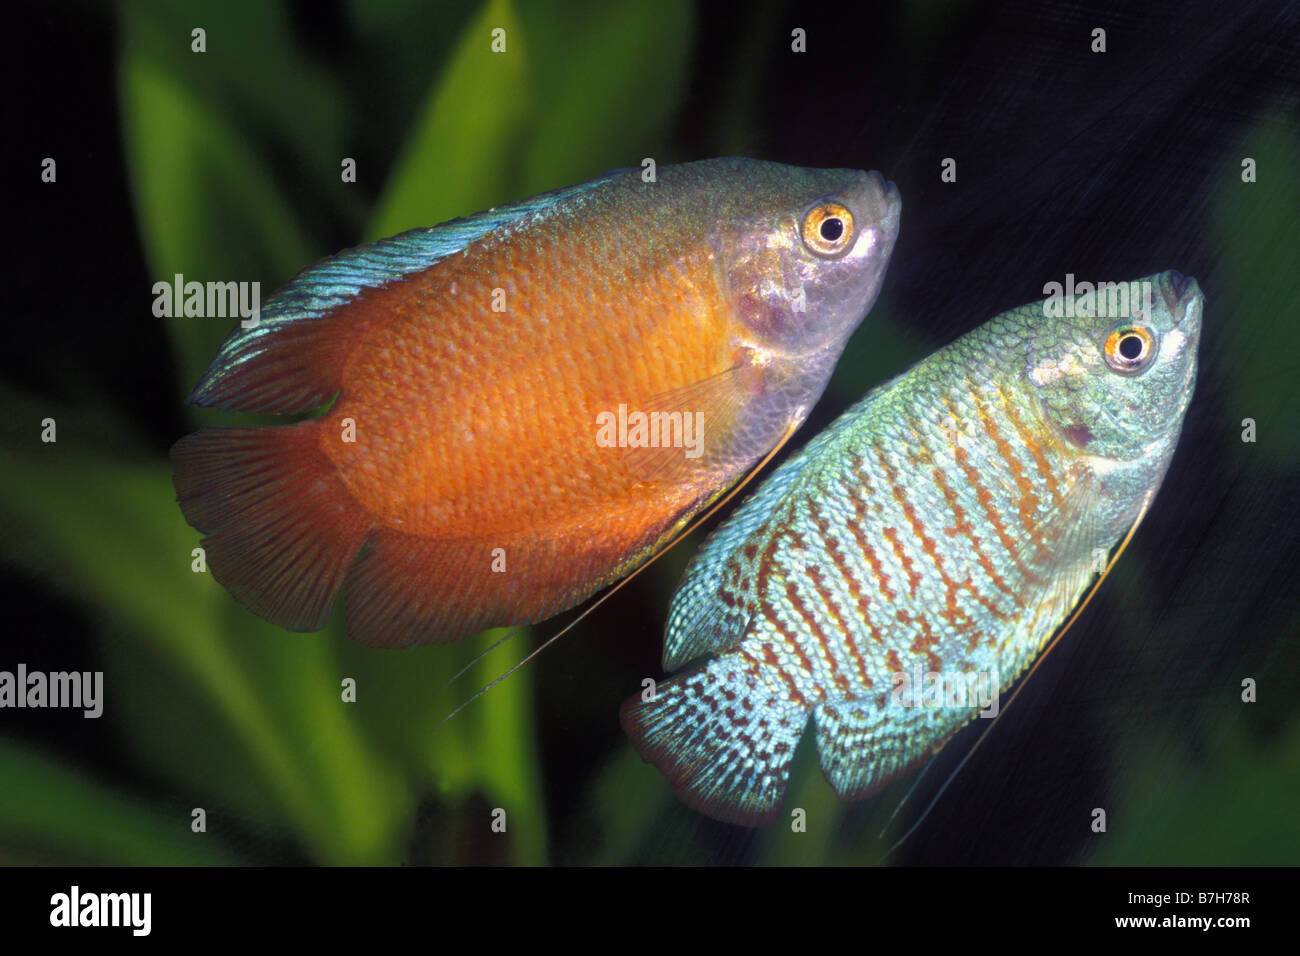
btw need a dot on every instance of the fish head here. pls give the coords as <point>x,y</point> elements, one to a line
<point>805,256</point>
<point>1117,385</point>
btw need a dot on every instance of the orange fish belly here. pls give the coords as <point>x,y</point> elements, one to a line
<point>468,435</point>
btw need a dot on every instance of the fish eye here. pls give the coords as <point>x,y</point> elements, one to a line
<point>1129,348</point>
<point>828,230</point>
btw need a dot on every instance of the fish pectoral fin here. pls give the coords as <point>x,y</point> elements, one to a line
<point>1058,561</point>
<point>690,434</point>
<point>710,611</point>
<point>1080,557</point>
<point>1064,532</point>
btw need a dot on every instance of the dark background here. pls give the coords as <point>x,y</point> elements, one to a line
<point>1111,166</point>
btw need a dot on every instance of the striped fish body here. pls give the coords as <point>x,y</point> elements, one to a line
<point>916,556</point>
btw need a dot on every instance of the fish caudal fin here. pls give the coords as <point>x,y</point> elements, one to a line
<point>722,737</point>
<point>281,529</point>
<point>284,536</point>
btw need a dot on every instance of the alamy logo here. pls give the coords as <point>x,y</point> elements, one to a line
<point>634,429</point>
<point>947,689</point>
<point>211,300</point>
<point>1120,300</point>
<point>76,908</point>
<point>79,690</point>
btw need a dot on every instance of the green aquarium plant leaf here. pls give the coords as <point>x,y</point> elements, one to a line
<point>608,79</point>
<point>54,814</point>
<point>245,712</point>
<point>209,205</point>
<point>1254,223</point>
<point>460,155</point>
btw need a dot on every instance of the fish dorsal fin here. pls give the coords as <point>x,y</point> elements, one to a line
<point>266,367</point>
<point>337,279</point>
<point>700,619</point>
<point>705,615</point>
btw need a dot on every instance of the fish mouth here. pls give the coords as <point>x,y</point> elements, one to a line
<point>1179,344</point>
<point>882,201</point>
<point>1185,301</point>
<point>1182,296</point>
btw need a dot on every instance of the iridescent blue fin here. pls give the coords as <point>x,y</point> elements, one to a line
<point>291,360</point>
<point>722,737</point>
<point>705,616</point>
<point>861,748</point>
<point>707,613</point>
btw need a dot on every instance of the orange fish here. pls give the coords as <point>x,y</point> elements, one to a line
<point>527,403</point>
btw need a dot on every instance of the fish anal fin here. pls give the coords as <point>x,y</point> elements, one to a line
<point>407,590</point>
<point>862,748</point>
<point>410,589</point>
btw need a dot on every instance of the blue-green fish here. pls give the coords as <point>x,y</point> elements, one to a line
<point>935,536</point>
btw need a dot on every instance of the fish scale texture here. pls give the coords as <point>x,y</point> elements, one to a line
<point>466,477</point>
<point>946,525</point>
